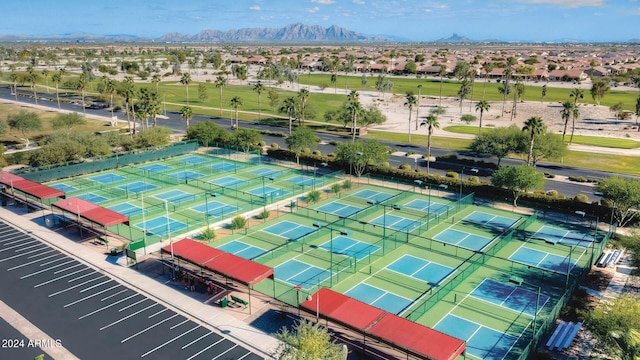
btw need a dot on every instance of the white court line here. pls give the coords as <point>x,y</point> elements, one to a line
<point>196,340</point>
<point>90,296</point>
<point>73,287</point>
<point>205,349</point>
<point>34,262</point>
<point>58,278</point>
<point>147,329</point>
<point>128,316</point>
<point>132,305</point>
<point>170,341</point>
<point>43,270</point>
<point>22,254</point>
<point>224,352</point>
<point>106,307</point>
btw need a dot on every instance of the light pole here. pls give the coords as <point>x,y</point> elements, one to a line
<point>298,288</point>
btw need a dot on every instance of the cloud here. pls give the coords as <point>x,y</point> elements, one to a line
<point>635,11</point>
<point>567,3</point>
<point>323,2</point>
<point>427,10</point>
<point>313,9</point>
<point>255,7</point>
<point>358,2</point>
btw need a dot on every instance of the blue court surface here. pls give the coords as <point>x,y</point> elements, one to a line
<point>228,181</point>
<point>349,247</point>
<point>424,205</point>
<point>339,209</point>
<point>265,171</point>
<point>107,178</point>
<point>304,180</point>
<point>226,166</point>
<point>289,230</point>
<point>463,239</point>
<point>379,298</point>
<point>396,222</point>
<point>155,168</point>
<point>490,220</point>
<point>92,198</point>
<point>299,273</point>
<point>215,208</point>
<point>542,259</point>
<point>482,342</point>
<point>241,249</point>
<point>175,196</point>
<point>268,191</point>
<point>423,270</point>
<point>193,160</point>
<point>509,296</point>
<point>372,195</point>
<point>137,187</point>
<point>161,226</point>
<point>554,235</point>
<point>186,175</point>
<point>127,209</point>
<point>63,187</point>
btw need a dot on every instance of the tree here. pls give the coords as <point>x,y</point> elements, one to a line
<point>82,86</point>
<point>334,80</point>
<point>442,72</point>
<point>616,325</point>
<point>355,108</point>
<point>155,79</point>
<point>576,94</point>
<point>498,142</point>
<point>566,113</point>
<point>33,77</point>
<point>245,138</point>
<point>202,92</point>
<point>418,106</point>
<point>357,155</point>
<point>185,80</point>
<point>637,111</point>
<point>289,107</point>
<point>488,68</point>
<point>482,106</point>
<point>235,103</point>
<point>150,102</point>
<point>410,101</point>
<point>220,83</point>
<point>186,114</point>
<point>67,121</point>
<point>259,88</point>
<point>518,180</point>
<point>57,78</point>
<point>599,88</point>
<point>623,195</point>
<point>24,121</point>
<point>517,94</point>
<point>504,90</point>
<point>127,91</point>
<point>547,146</point>
<point>544,92</point>
<point>302,138</point>
<point>431,122</point>
<point>468,118</point>
<point>308,340</point>
<point>364,80</point>
<point>303,96</point>
<point>207,132</point>
<point>410,67</point>
<point>533,126</point>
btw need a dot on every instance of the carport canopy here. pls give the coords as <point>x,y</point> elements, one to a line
<point>32,188</point>
<point>91,212</point>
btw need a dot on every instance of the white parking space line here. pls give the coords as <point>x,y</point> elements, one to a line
<point>18,246</point>
<point>35,262</point>
<point>178,324</point>
<point>224,352</point>
<point>148,328</point>
<point>245,355</point>
<point>68,268</point>
<point>40,245</point>
<point>115,294</point>
<point>128,316</point>
<point>13,240</point>
<point>90,296</point>
<point>75,286</point>
<point>106,307</point>
<point>21,255</point>
<point>158,313</point>
<point>84,276</point>
<point>196,340</point>
<point>40,254</point>
<point>59,278</point>
<point>205,349</point>
<point>20,241</point>
<point>44,270</point>
<point>96,285</point>
<point>170,341</point>
<point>132,305</point>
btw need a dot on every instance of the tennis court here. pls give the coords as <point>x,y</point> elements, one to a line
<point>463,239</point>
<point>127,209</point>
<point>339,209</point>
<point>542,259</point>
<point>241,249</point>
<point>229,182</point>
<point>380,298</point>
<point>349,247</point>
<point>155,168</point>
<point>186,175</point>
<point>510,296</point>
<point>289,230</point>
<point>423,270</point>
<point>63,187</point>
<point>394,222</point>
<point>265,171</point>
<point>303,180</point>
<point>482,342</point>
<point>215,208</point>
<point>138,187</point>
<point>175,196</point>
<point>226,166</point>
<point>92,198</point>
<point>193,160</point>
<point>161,226</point>
<point>425,205</point>
<point>490,220</point>
<point>107,178</point>
<point>373,196</point>
<point>554,235</point>
<point>298,273</point>
<point>268,191</point>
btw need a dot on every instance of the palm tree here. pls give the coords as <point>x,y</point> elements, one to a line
<point>32,77</point>
<point>637,111</point>
<point>259,88</point>
<point>464,91</point>
<point>127,91</point>
<point>410,101</point>
<point>565,113</point>
<point>534,126</point>
<point>482,106</point>
<point>442,72</point>
<point>57,78</point>
<point>82,86</point>
<point>186,114</point>
<point>289,107</point>
<point>235,103</point>
<point>487,67</point>
<point>221,81</point>
<point>303,95</point>
<point>418,107</point>
<point>14,79</point>
<point>156,80</point>
<point>45,73</point>
<point>185,80</point>
<point>355,107</point>
<point>110,88</point>
<point>431,122</point>
<point>334,80</point>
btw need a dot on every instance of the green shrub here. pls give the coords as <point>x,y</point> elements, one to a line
<point>404,167</point>
<point>238,222</point>
<point>208,234</point>
<point>347,184</point>
<point>583,198</point>
<point>262,143</point>
<point>264,214</point>
<point>549,175</point>
<point>552,193</point>
<point>474,179</point>
<point>275,146</point>
<point>577,178</point>
<point>313,196</point>
<point>306,151</point>
<point>452,174</point>
<point>317,152</point>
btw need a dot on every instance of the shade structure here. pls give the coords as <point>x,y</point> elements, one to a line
<point>91,212</point>
<point>402,334</point>
<point>244,271</point>
<point>29,187</point>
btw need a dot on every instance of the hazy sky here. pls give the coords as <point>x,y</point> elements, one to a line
<point>511,20</point>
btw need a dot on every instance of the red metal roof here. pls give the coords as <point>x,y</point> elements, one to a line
<point>92,212</point>
<point>403,334</point>
<point>29,187</point>
<point>192,251</point>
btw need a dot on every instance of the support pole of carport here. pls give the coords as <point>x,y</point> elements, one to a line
<point>249,288</point>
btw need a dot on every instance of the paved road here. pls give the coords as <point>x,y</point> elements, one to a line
<point>93,315</point>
